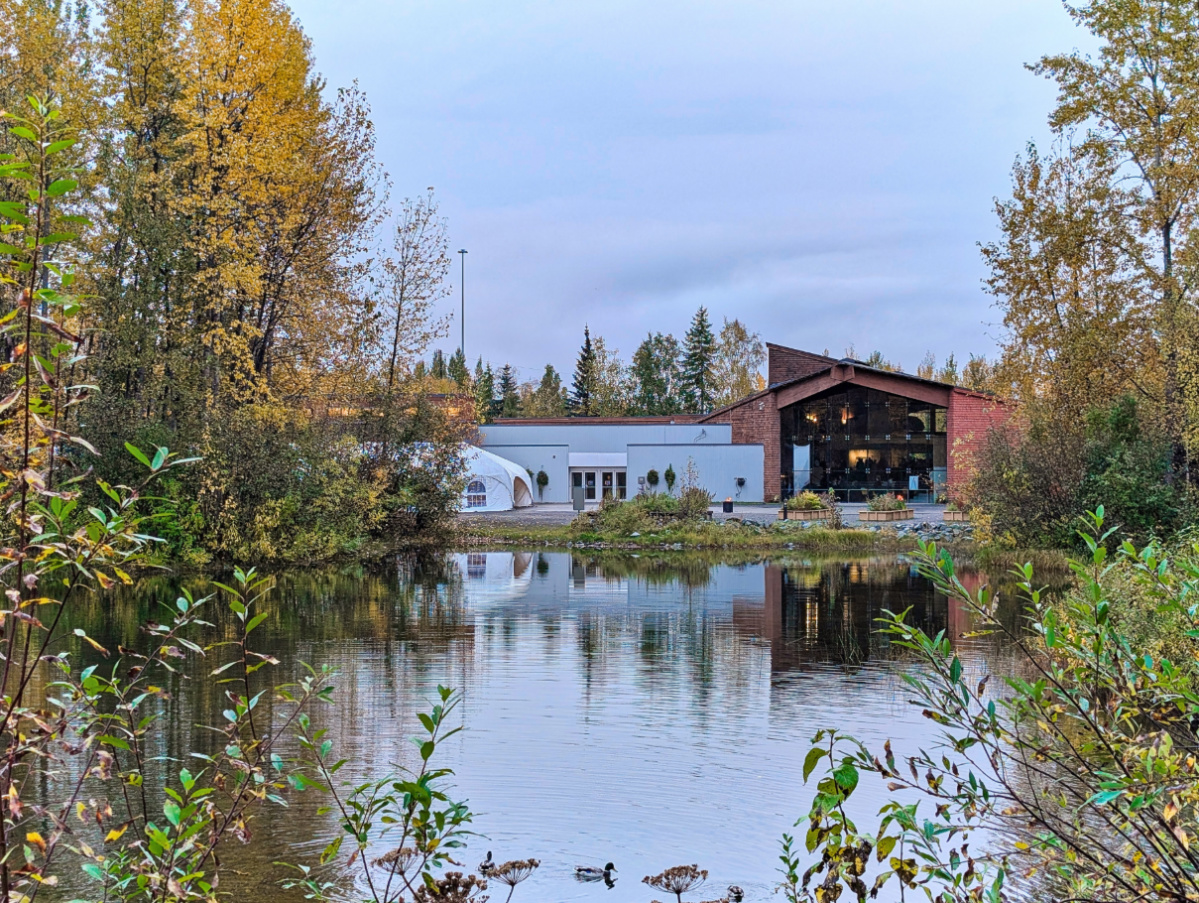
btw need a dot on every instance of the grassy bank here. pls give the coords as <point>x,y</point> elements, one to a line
<point>688,535</point>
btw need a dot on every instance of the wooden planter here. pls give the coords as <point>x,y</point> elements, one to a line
<point>875,516</point>
<point>956,517</point>
<point>809,514</point>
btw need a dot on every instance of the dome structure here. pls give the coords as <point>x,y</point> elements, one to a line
<point>494,483</point>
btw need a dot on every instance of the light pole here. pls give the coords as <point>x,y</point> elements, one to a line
<point>462,346</point>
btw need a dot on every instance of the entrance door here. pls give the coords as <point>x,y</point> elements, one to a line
<point>589,485</point>
<point>608,482</point>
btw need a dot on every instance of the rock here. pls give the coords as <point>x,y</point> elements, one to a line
<point>634,535</point>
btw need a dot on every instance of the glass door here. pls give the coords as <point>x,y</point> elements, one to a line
<point>589,485</point>
<point>609,483</point>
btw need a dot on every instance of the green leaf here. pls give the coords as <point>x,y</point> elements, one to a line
<point>109,740</point>
<point>172,812</point>
<point>426,750</point>
<point>137,453</point>
<point>22,132</point>
<point>815,754</point>
<point>846,776</point>
<point>58,146</point>
<point>60,186</point>
<point>955,669</point>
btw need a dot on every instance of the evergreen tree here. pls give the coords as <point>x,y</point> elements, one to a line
<point>421,370</point>
<point>699,359</point>
<point>655,375</point>
<point>548,399</point>
<point>583,386</point>
<point>457,369</point>
<point>484,392</point>
<point>509,398</point>
<point>438,369</point>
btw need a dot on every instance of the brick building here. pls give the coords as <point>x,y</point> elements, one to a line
<point>835,424</point>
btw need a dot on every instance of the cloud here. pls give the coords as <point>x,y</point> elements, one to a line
<point>822,171</point>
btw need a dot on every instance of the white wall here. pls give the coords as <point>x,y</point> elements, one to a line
<point>553,459</point>
<point>718,467</point>
<point>602,437</point>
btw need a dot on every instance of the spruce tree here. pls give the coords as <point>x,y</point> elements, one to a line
<point>438,370</point>
<point>583,386</point>
<point>509,398</point>
<point>457,369</point>
<point>484,393</point>
<point>699,359</point>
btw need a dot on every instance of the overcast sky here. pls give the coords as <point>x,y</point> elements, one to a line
<point>821,169</point>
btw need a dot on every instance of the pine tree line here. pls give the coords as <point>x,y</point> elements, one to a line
<point>664,376</point>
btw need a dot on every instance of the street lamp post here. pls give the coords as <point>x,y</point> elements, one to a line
<point>462,346</point>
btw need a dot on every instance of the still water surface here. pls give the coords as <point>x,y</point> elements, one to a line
<point>618,709</point>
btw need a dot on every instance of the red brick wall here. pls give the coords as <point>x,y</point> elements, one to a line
<point>785,364</point>
<point>971,416</point>
<point>756,421</point>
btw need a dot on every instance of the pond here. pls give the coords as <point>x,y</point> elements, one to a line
<point>645,711</point>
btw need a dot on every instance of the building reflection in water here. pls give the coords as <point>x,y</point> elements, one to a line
<point>808,613</point>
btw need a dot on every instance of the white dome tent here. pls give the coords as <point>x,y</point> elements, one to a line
<point>494,483</point>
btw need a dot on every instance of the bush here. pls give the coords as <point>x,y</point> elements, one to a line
<point>886,503</point>
<point>651,480</point>
<point>1080,768</point>
<point>807,501</point>
<point>670,477</point>
<point>1033,485</point>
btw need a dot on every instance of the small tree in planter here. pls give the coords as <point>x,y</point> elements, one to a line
<point>670,477</point>
<point>543,480</point>
<point>651,480</point>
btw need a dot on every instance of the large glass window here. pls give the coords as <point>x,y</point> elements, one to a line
<point>862,441</point>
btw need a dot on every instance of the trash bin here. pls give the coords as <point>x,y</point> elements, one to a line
<point>728,506</point>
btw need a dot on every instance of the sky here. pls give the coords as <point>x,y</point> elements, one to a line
<point>822,170</point>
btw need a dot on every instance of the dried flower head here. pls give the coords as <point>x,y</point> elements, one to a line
<point>514,872</point>
<point>398,860</point>
<point>678,880</point>
<point>453,888</point>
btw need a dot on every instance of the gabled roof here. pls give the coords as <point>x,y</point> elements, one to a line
<point>824,373</point>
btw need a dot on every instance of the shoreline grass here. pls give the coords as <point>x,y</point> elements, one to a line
<point>702,536</point>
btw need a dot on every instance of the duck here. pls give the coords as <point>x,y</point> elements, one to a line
<point>736,894</point>
<point>591,873</point>
<point>487,866</point>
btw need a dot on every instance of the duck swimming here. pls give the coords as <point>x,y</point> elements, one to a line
<point>487,866</point>
<point>736,894</point>
<point>591,873</point>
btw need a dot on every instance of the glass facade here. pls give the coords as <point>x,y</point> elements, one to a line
<point>858,442</point>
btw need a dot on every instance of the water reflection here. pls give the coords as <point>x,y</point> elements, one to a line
<point>635,709</point>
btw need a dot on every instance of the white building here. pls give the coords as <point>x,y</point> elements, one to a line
<point>612,456</point>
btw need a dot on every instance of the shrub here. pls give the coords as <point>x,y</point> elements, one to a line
<point>1081,767</point>
<point>1032,485</point>
<point>807,501</point>
<point>886,503</point>
<point>670,477</point>
<point>651,480</point>
<point>543,480</point>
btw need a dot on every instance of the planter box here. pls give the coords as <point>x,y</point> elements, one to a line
<point>810,514</point>
<point>902,514</point>
<point>956,517</point>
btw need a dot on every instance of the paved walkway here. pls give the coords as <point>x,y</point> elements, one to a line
<point>558,513</point>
